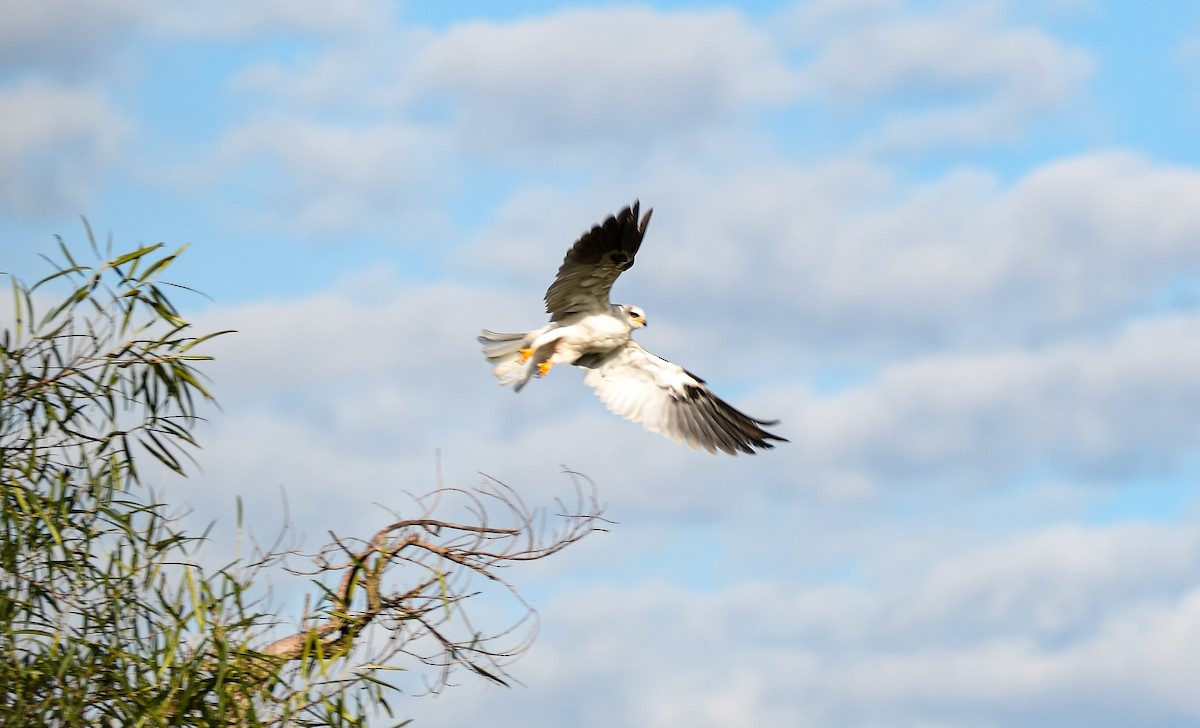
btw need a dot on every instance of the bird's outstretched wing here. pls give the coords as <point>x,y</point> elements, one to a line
<point>594,262</point>
<point>668,399</point>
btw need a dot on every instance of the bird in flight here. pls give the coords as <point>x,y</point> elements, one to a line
<point>588,331</point>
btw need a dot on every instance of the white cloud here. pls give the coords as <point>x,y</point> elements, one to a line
<point>970,52</point>
<point>369,73</point>
<point>1054,586</point>
<point>971,76</point>
<point>681,94</point>
<point>66,36</point>
<point>260,17</point>
<point>324,179</point>
<point>811,20</point>
<point>1109,409</point>
<point>857,266</point>
<point>612,75</point>
<point>550,85</point>
<point>784,653</point>
<point>56,145</point>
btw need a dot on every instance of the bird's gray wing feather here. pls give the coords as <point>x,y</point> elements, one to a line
<point>594,262</point>
<point>669,400</point>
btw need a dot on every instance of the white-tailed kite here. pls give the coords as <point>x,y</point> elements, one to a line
<point>588,331</point>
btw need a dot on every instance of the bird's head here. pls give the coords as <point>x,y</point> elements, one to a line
<point>635,315</point>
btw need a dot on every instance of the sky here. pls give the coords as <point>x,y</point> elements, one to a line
<point>954,247</point>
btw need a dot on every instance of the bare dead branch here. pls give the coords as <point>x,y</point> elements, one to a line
<point>413,577</point>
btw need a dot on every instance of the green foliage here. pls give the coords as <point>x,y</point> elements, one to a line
<point>103,619</point>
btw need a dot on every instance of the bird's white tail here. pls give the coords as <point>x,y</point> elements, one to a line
<point>504,351</point>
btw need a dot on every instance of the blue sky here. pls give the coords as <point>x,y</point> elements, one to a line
<point>954,247</point>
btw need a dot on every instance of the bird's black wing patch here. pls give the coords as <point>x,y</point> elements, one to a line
<point>594,262</point>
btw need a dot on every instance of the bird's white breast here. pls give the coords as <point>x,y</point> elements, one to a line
<point>590,333</point>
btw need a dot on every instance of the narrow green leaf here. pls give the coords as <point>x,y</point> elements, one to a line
<point>134,255</point>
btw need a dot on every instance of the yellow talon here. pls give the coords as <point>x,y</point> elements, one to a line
<point>544,368</point>
<point>524,354</point>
